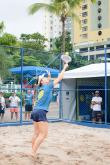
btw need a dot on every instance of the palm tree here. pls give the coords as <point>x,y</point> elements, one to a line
<point>62,8</point>
<point>5,63</point>
<point>2,26</point>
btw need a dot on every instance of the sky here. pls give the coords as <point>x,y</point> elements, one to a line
<point>14,13</point>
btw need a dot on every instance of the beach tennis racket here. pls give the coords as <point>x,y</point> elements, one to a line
<point>66,58</point>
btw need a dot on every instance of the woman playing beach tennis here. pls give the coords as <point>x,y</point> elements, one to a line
<point>38,115</point>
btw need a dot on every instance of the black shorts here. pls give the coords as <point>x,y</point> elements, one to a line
<point>96,114</point>
<point>2,111</point>
<point>28,108</point>
<point>39,115</point>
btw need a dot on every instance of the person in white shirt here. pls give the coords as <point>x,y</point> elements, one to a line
<point>2,106</point>
<point>96,106</point>
<point>14,105</point>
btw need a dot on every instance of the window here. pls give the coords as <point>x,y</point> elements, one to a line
<point>85,28</point>
<point>84,35</point>
<point>99,10</point>
<point>50,39</point>
<point>99,17</point>
<point>84,14</point>
<point>91,48</point>
<point>51,22</point>
<point>60,33</point>
<point>84,7</point>
<point>51,28</point>
<point>101,47</point>
<point>84,21</point>
<point>85,58</point>
<point>108,46</point>
<point>108,55</point>
<point>51,45</point>
<point>99,56</point>
<point>99,3</point>
<point>91,57</point>
<point>84,1</point>
<point>99,33</point>
<point>99,25</point>
<point>84,50</point>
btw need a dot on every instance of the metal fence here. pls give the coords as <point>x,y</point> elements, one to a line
<point>71,99</point>
<point>85,94</point>
<point>16,78</point>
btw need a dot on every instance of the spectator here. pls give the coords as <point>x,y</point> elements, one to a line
<point>2,106</point>
<point>91,105</point>
<point>28,104</point>
<point>96,107</point>
<point>14,105</point>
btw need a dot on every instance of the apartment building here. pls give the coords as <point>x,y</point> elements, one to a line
<point>92,35</point>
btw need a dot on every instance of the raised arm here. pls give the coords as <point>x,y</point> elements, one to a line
<point>60,77</point>
<point>49,75</point>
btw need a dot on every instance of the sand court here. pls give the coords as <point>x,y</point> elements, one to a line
<point>67,144</point>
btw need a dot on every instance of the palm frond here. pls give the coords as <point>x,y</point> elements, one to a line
<point>37,6</point>
<point>75,17</point>
<point>93,1</point>
<point>52,8</point>
<point>74,3</point>
<point>2,26</point>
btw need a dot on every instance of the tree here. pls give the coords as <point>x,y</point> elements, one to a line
<point>33,41</point>
<point>8,39</point>
<point>34,53</point>
<point>28,60</point>
<point>68,44</point>
<point>2,26</point>
<point>62,8</point>
<point>5,63</point>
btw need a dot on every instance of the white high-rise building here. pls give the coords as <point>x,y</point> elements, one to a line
<point>55,28</point>
<point>52,26</point>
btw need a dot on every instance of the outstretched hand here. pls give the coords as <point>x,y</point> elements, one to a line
<point>48,72</point>
<point>65,66</point>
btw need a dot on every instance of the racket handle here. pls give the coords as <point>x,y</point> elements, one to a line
<point>65,66</point>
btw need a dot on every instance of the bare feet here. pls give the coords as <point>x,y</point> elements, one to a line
<point>33,154</point>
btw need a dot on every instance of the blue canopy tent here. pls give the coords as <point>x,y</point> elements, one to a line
<point>33,71</point>
<point>30,71</point>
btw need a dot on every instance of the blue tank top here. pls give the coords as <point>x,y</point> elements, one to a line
<point>28,99</point>
<point>44,96</point>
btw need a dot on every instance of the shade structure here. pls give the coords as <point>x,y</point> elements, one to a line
<point>30,71</point>
<point>88,71</point>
